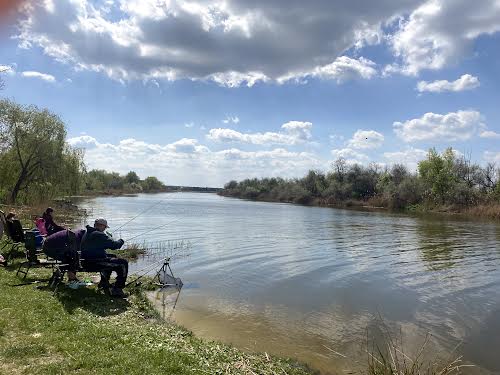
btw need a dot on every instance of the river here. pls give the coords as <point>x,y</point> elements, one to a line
<point>321,284</point>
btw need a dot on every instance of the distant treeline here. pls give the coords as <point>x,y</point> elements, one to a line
<point>37,164</point>
<point>441,180</point>
<point>100,181</point>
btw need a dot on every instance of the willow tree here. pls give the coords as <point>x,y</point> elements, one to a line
<point>34,153</point>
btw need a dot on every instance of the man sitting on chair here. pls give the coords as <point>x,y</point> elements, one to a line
<point>94,244</point>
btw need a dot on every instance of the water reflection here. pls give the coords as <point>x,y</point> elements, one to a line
<point>311,282</point>
<point>437,240</point>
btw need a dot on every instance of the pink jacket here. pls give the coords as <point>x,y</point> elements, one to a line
<point>40,224</point>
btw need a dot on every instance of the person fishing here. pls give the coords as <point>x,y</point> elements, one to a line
<point>63,246</point>
<point>50,225</point>
<point>94,244</point>
<point>15,227</point>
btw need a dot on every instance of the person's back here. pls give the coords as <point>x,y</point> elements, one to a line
<point>15,228</point>
<point>56,245</point>
<point>62,246</point>
<point>95,243</point>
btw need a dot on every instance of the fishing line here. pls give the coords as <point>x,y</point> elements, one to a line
<point>152,229</point>
<point>142,212</point>
<point>148,267</point>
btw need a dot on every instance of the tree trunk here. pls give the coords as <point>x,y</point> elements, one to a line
<point>17,186</point>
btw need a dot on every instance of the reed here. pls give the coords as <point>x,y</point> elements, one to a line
<point>390,358</point>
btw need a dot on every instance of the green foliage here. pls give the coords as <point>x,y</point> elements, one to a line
<point>151,184</point>
<point>101,181</point>
<point>437,174</point>
<point>132,178</point>
<point>35,160</point>
<point>443,179</point>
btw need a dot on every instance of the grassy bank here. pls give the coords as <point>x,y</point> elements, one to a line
<point>486,211</point>
<point>87,332</point>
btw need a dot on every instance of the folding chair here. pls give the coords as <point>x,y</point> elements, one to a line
<point>32,256</point>
<point>14,239</point>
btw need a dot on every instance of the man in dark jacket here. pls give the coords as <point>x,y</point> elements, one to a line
<point>94,244</point>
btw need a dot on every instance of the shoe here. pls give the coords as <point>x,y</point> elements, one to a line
<point>118,292</point>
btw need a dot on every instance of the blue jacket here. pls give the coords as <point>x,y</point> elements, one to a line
<point>95,243</point>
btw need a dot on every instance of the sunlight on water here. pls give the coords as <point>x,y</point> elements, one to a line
<point>311,282</point>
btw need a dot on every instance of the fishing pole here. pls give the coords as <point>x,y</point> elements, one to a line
<point>142,212</point>
<point>152,229</point>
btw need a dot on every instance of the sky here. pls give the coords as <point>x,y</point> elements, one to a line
<point>202,92</point>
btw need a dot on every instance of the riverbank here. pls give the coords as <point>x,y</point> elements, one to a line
<point>87,332</point>
<point>487,211</point>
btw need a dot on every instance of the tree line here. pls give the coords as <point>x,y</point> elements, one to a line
<point>37,164</point>
<point>444,179</point>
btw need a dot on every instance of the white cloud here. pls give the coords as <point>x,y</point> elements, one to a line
<point>295,132</point>
<point>492,157</point>
<point>186,162</point>
<point>342,69</point>
<point>83,141</point>
<point>232,42</point>
<point>366,139</point>
<point>231,120</point>
<point>43,76</point>
<point>187,146</point>
<point>236,79</point>
<point>454,126</point>
<point>489,134</point>
<point>440,32</point>
<point>351,156</point>
<point>465,82</point>
<point>189,124</point>
<point>409,157</point>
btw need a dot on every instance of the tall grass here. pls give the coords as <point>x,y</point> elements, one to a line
<point>390,358</point>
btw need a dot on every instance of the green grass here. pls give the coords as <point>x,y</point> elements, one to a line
<point>85,332</point>
<point>130,252</point>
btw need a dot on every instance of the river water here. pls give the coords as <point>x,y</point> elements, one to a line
<point>322,284</point>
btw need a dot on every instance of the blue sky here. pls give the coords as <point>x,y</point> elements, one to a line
<point>201,92</point>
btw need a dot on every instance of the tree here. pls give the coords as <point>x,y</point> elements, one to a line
<point>33,145</point>
<point>231,185</point>
<point>152,184</point>
<point>132,178</point>
<point>437,172</point>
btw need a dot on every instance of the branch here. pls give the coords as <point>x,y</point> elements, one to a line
<point>17,148</point>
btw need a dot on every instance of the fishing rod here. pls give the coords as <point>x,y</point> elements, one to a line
<point>142,212</point>
<point>152,229</point>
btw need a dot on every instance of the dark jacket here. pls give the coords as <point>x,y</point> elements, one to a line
<point>50,225</point>
<point>95,243</point>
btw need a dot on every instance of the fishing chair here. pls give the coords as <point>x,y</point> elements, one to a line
<point>14,237</point>
<point>32,256</point>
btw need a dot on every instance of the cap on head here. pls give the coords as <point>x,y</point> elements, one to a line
<point>49,210</point>
<point>101,221</point>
